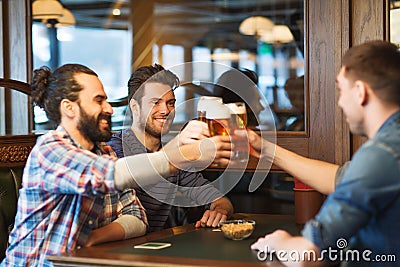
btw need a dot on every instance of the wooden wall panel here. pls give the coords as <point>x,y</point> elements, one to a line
<point>2,107</point>
<point>369,20</point>
<point>325,48</point>
<point>342,130</point>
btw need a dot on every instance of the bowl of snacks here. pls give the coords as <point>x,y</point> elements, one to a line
<point>237,229</point>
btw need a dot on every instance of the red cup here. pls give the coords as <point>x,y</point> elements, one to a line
<point>307,202</point>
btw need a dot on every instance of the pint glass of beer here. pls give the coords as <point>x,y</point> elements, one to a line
<point>238,129</point>
<point>218,119</point>
<point>238,114</point>
<point>205,102</point>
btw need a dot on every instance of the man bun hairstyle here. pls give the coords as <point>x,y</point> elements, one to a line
<point>39,85</point>
<point>49,89</point>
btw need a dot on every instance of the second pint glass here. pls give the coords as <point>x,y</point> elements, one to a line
<point>238,129</point>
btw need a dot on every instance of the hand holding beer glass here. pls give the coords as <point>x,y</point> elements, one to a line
<point>227,119</point>
<point>217,116</point>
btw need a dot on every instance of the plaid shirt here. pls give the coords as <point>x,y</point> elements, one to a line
<point>66,192</point>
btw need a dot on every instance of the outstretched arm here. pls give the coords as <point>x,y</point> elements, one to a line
<point>150,168</point>
<point>317,174</point>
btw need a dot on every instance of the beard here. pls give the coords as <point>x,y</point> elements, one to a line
<point>89,127</point>
<point>149,129</point>
<point>152,130</point>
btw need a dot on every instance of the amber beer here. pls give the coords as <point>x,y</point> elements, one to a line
<point>205,102</point>
<point>238,114</point>
<point>240,119</point>
<point>218,126</point>
<point>218,119</point>
<point>239,133</point>
<point>201,116</point>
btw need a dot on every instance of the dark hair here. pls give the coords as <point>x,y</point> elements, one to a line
<point>156,74</point>
<point>48,89</point>
<point>378,64</point>
<point>231,77</point>
<point>232,86</point>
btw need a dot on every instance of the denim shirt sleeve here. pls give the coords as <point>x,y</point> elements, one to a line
<point>369,185</point>
<point>340,172</point>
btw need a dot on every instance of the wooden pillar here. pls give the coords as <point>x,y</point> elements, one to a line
<point>369,22</point>
<point>142,23</point>
<point>189,95</point>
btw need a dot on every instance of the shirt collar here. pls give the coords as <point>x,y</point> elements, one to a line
<point>393,119</point>
<point>100,148</point>
<point>128,133</point>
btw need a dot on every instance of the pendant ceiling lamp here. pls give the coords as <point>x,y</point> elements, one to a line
<point>46,9</point>
<point>255,25</point>
<point>67,19</point>
<point>278,34</point>
<point>52,13</point>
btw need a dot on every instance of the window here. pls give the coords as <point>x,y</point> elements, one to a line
<point>395,22</point>
<point>110,58</point>
<point>197,31</point>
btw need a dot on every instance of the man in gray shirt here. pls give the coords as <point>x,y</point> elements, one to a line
<point>152,104</point>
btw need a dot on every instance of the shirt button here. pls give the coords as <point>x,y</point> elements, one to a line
<point>90,222</point>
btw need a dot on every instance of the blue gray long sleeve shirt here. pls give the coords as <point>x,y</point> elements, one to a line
<point>364,209</point>
<point>191,187</point>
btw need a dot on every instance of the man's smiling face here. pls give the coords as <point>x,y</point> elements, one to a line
<point>157,109</point>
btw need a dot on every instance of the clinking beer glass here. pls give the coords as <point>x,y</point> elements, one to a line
<point>205,102</point>
<point>238,129</point>
<point>218,120</point>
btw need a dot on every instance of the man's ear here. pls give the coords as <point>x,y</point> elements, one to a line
<point>362,92</point>
<point>68,108</point>
<point>134,106</point>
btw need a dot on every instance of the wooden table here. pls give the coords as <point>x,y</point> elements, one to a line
<point>190,247</point>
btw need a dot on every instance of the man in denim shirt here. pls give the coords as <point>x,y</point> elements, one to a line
<point>359,222</point>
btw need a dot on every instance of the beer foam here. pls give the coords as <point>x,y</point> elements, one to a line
<point>218,111</point>
<point>236,108</point>
<point>205,102</point>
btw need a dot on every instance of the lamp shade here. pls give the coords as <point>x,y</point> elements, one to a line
<point>279,34</point>
<point>46,9</point>
<point>67,19</point>
<point>255,25</point>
